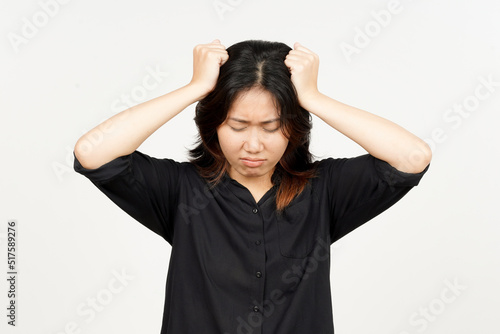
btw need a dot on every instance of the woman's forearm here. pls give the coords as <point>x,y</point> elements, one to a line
<point>378,136</point>
<point>123,133</point>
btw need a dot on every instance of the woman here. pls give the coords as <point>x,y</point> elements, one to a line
<point>251,217</point>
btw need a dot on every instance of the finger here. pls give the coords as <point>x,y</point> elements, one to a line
<point>220,55</point>
<point>216,41</point>
<point>290,64</point>
<point>299,47</point>
<point>215,46</point>
<point>211,47</point>
<point>299,53</point>
<point>223,59</point>
<point>294,58</point>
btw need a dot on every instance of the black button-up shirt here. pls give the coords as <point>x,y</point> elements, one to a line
<point>236,266</point>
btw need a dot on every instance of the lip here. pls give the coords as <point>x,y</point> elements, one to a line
<point>252,162</point>
<point>250,159</point>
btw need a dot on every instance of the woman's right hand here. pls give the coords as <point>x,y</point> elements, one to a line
<point>207,59</point>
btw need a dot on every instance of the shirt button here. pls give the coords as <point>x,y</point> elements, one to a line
<point>257,242</point>
<point>256,309</point>
<point>255,210</point>
<point>258,274</point>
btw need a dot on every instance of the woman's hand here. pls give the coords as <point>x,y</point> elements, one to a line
<point>303,65</point>
<point>207,59</point>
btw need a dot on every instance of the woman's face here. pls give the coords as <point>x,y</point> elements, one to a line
<point>251,138</point>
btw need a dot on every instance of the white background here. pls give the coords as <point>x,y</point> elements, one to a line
<point>70,70</point>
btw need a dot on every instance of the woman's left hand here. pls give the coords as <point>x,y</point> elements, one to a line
<point>303,65</point>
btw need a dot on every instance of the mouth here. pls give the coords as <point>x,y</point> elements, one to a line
<point>250,159</point>
<point>252,162</point>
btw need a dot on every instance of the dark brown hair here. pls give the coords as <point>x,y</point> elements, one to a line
<point>256,64</point>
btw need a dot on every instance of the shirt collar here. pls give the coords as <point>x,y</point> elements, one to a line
<point>241,192</point>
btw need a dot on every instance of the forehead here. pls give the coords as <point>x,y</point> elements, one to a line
<point>254,104</point>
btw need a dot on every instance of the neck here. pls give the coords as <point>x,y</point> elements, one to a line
<point>256,182</point>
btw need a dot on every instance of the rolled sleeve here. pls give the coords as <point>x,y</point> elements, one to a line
<point>144,187</point>
<point>361,188</point>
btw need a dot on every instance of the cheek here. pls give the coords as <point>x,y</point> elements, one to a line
<point>282,143</point>
<point>228,142</point>
<point>278,146</point>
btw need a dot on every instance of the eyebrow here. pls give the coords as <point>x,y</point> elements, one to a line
<point>246,122</point>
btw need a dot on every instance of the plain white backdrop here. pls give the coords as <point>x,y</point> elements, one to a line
<point>430,264</point>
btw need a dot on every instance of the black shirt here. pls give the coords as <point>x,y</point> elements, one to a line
<point>235,266</point>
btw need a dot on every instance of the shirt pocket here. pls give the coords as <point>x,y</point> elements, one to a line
<point>297,231</point>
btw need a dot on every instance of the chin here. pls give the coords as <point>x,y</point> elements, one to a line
<point>252,171</point>
<point>249,171</point>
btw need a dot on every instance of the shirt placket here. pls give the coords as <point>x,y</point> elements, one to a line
<point>253,320</point>
<point>258,273</point>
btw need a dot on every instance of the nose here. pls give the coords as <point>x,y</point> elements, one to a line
<point>253,142</point>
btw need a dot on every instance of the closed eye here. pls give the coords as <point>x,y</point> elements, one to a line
<point>237,130</point>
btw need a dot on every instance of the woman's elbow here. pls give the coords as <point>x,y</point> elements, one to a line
<point>420,157</point>
<point>82,151</point>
